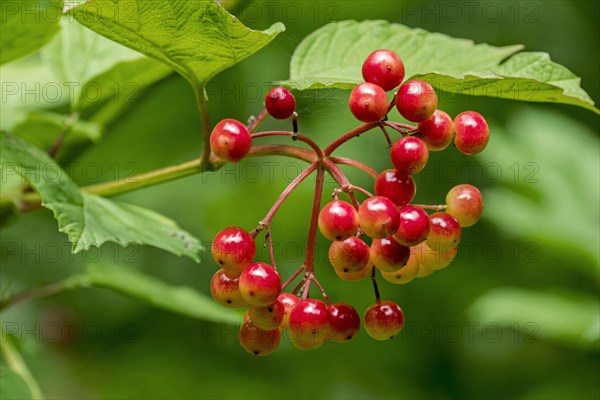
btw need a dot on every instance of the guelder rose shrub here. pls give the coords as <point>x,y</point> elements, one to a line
<point>384,231</point>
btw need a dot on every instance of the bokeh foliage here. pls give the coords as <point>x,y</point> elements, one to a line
<point>516,316</point>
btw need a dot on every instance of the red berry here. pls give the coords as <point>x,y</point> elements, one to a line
<point>225,290</point>
<point>344,322</point>
<point>368,102</point>
<point>432,260</point>
<point>399,188</point>
<point>260,284</point>
<point>378,217</point>
<point>350,255</point>
<point>309,324</point>
<point>257,341</point>
<point>437,131</point>
<point>409,155</point>
<point>383,320</point>
<point>289,301</point>
<point>444,231</point>
<point>388,255</point>
<point>230,140</point>
<point>472,132</point>
<point>338,220</point>
<point>416,100</point>
<point>414,226</point>
<point>355,276</point>
<point>267,317</point>
<point>233,249</point>
<point>280,103</point>
<point>405,274</point>
<point>383,68</point>
<point>465,203</point>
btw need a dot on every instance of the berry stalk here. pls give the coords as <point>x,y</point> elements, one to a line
<point>256,121</point>
<point>309,260</point>
<point>354,163</point>
<point>284,195</point>
<point>349,135</point>
<point>301,138</point>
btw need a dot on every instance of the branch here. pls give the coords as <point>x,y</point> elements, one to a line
<point>73,282</point>
<point>166,174</point>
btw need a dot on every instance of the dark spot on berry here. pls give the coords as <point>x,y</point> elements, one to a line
<point>270,309</point>
<point>391,337</point>
<point>251,293</point>
<point>348,337</point>
<point>338,237</point>
<point>255,352</point>
<point>314,331</point>
<point>228,301</point>
<point>345,269</point>
<point>221,262</point>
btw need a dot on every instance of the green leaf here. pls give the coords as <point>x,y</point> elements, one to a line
<point>570,318</point>
<point>179,299</point>
<point>198,39</point>
<point>28,86</point>
<point>540,180</point>
<point>90,220</point>
<point>42,128</point>
<point>123,83</point>
<point>12,386</point>
<point>78,56</point>
<point>26,26</point>
<point>332,56</point>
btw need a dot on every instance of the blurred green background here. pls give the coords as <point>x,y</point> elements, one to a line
<point>515,316</point>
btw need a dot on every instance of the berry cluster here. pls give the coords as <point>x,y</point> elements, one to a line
<point>405,241</point>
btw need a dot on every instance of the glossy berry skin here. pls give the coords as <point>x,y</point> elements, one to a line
<point>338,220</point>
<point>388,255</point>
<point>260,284</point>
<point>378,217</point>
<point>437,131</point>
<point>414,226</point>
<point>383,68</point>
<point>309,324</point>
<point>368,102</point>
<point>431,260</point>
<point>289,301</point>
<point>409,155</point>
<point>230,140</point>
<point>233,249</point>
<point>355,276</point>
<point>268,317</point>
<point>405,274</point>
<point>350,255</point>
<point>280,103</point>
<point>257,341</point>
<point>225,290</point>
<point>344,322</point>
<point>444,232</point>
<point>472,132</point>
<point>416,100</point>
<point>465,203</point>
<point>383,320</point>
<point>400,189</point>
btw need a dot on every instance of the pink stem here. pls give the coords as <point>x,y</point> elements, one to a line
<point>284,195</point>
<point>301,138</point>
<point>355,164</point>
